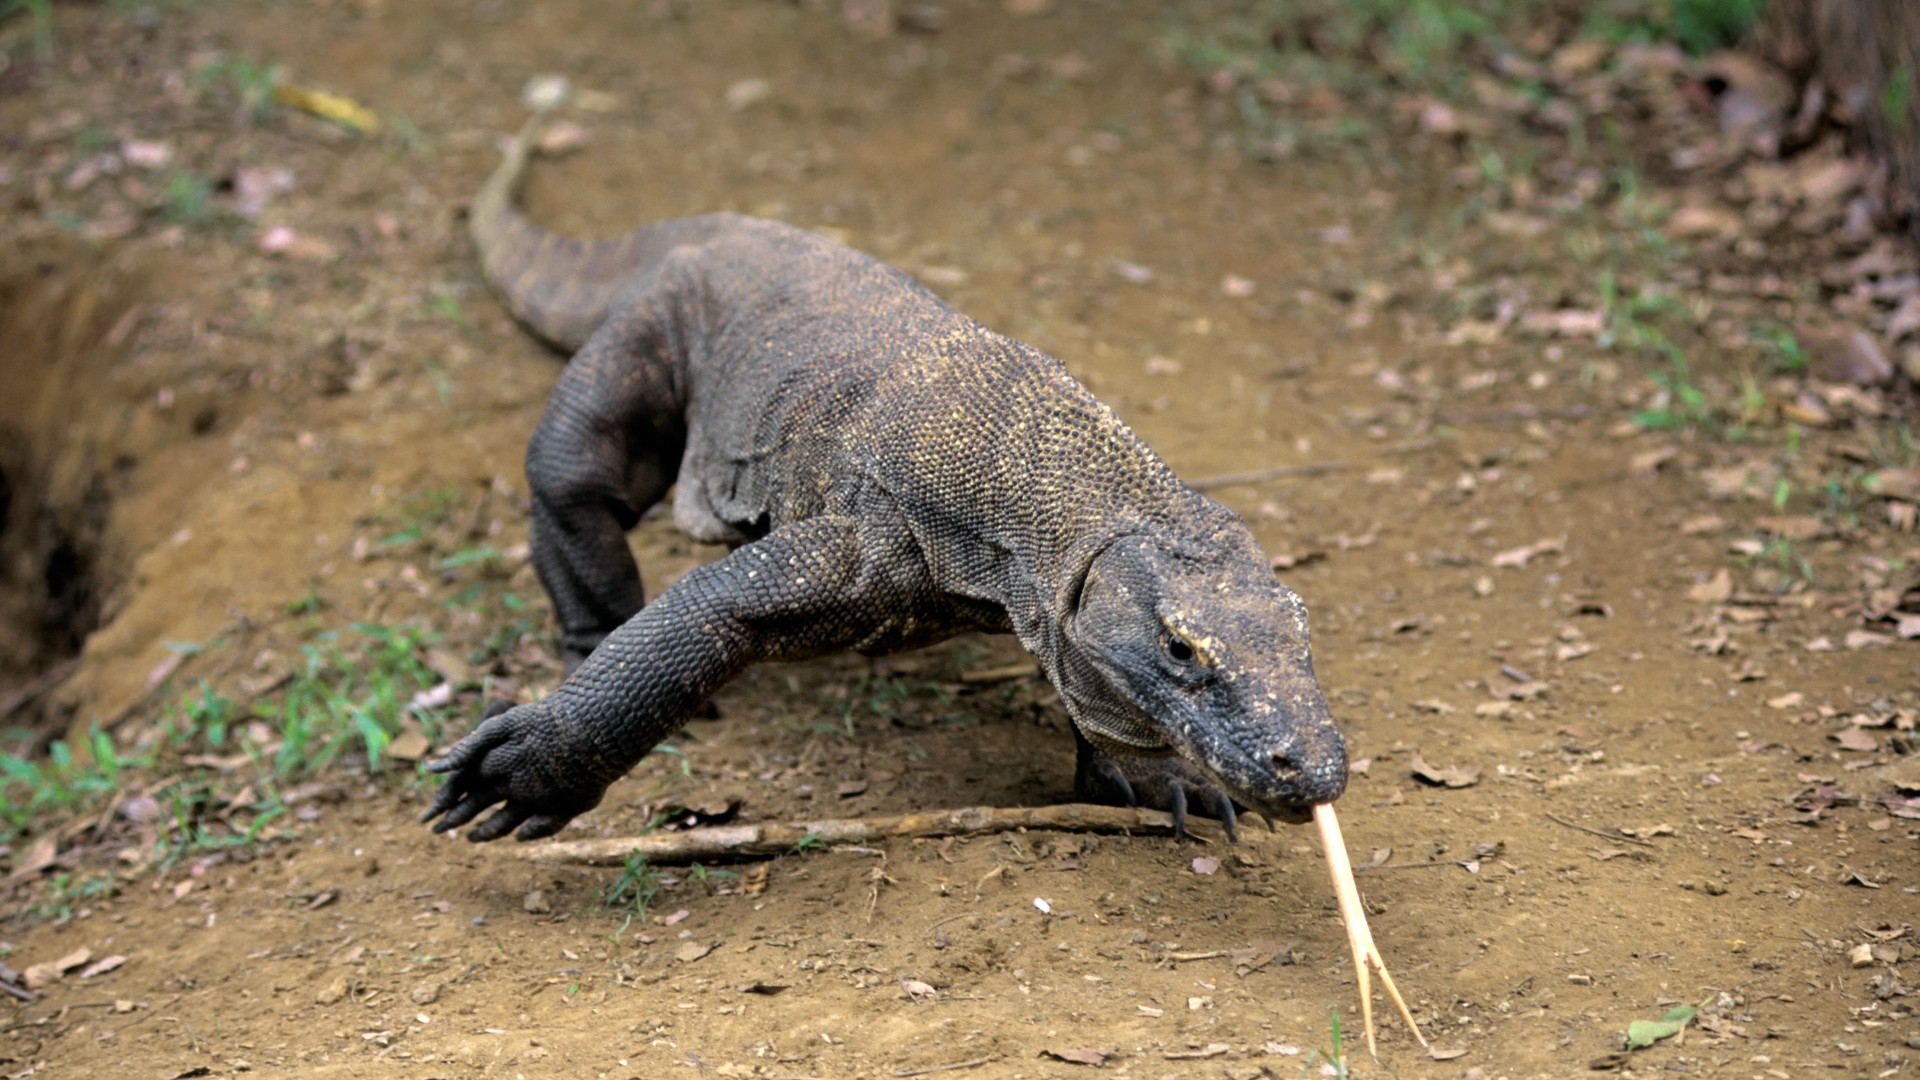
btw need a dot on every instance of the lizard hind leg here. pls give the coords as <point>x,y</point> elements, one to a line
<point>606,450</point>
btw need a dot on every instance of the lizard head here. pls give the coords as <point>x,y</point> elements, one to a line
<point>1198,649</point>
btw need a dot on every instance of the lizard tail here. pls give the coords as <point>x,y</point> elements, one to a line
<point>558,287</point>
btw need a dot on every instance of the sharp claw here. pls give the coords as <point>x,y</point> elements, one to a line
<point>466,810</point>
<point>540,825</point>
<point>1223,807</point>
<point>1271,827</point>
<point>1111,773</point>
<point>500,824</point>
<point>1179,809</point>
<point>442,801</point>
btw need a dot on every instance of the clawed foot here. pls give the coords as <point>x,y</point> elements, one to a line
<point>1161,783</point>
<point>515,757</point>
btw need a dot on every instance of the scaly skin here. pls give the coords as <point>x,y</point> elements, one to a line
<point>890,473</point>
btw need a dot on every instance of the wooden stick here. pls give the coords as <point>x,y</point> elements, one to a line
<point>1366,956</point>
<point>1276,472</point>
<point>766,839</point>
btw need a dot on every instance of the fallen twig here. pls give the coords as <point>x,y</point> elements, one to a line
<point>770,838</point>
<point>1366,956</point>
<point>1276,472</point>
<point>1622,837</point>
<point>1464,864</point>
<point>955,1067</point>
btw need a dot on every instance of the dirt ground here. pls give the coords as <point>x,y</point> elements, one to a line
<point>1667,748</point>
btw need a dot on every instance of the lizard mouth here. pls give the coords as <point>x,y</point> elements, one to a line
<point>1283,778</point>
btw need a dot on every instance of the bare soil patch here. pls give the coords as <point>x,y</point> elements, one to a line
<point>1616,749</point>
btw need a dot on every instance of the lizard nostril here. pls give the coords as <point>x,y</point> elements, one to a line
<point>1285,767</point>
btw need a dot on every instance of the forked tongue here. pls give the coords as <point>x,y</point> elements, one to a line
<point>1366,957</point>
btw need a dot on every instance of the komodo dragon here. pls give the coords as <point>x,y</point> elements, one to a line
<point>889,473</point>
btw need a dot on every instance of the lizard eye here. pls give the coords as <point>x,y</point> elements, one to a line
<point>1177,649</point>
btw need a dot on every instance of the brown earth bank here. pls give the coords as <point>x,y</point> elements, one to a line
<point>1631,703</point>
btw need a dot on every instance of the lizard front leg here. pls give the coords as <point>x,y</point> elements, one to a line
<point>806,589</point>
<point>1166,782</point>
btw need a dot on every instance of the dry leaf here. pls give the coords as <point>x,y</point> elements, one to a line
<point>103,965</point>
<point>1714,590</point>
<point>410,745</point>
<point>1796,527</point>
<point>1850,357</point>
<point>561,138</point>
<point>747,93</point>
<point>1567,323</point>
<point>39,975</point>
<point>1086,1056</point>
<point>1694,221</point>
<point>1648,832</point>
<point>1648,462</point>
<point>45,849</point>
<point>1854,739</point>
<point>299,247</point>
<point>1454,777</point>
<point>1520,556</point>
<point>1894,484</point>
<point>346,112</point>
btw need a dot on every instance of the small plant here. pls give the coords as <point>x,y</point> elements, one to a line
<point>445,304</point>
<point>636,886</point>
<point>1698,26</point>
<point>66,893</point>
<point>192,829</point>
<point>442,384</point>
<point>469,556</point>
<point>202,718</point>
<point>66,781</point>
<point>41,12</point>
<point>1788,356</point>
<point>1896,98</point>
<point>340,697</point>
<point>310,604</point>
<point>1336,1058</point>
<point>419,512</point>
<point>809,843</point>
<point>1789,560</point>
<point>250,85</point>
<point>189,199</point>
<point>706,878</point>
<point>1683,404</point>
<point>1426,34</point>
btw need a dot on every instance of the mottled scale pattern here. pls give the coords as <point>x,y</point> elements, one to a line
<point>891,473</point>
